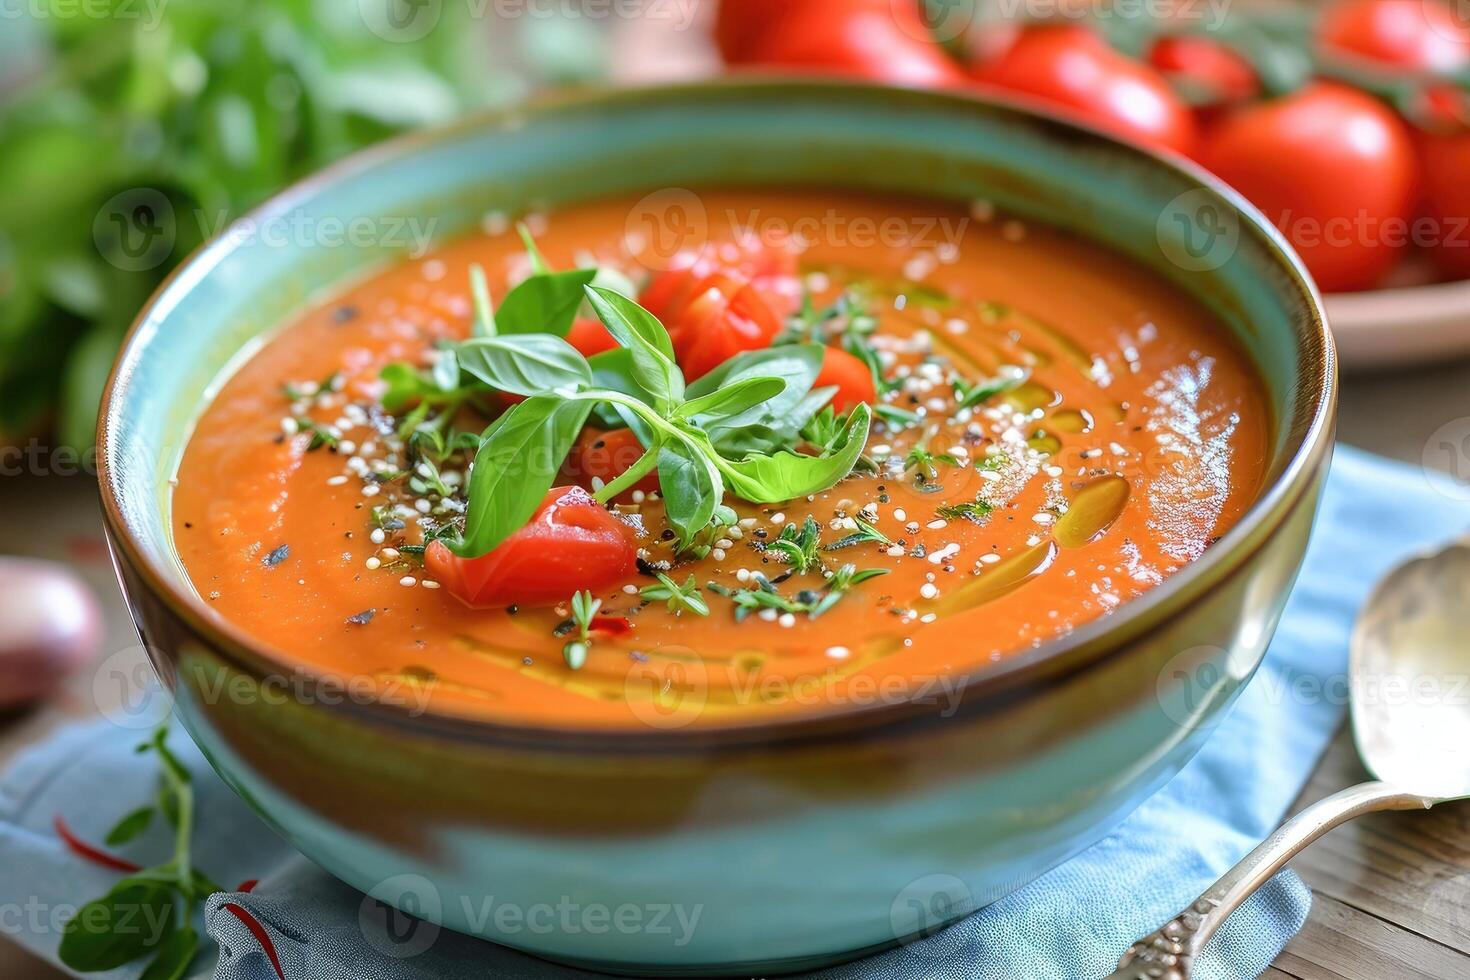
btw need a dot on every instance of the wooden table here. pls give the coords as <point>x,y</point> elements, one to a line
<point>1392,891</point>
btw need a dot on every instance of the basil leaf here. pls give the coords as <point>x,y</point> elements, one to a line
<point>691,487</point>
<point>731,400</point>
<point>613,370</point>
<point>770,479</point>
<point>526,364</point>
<point>519,457</point>
<point>405,385</point>
<point>131,920</point>
<point>776,424</point>
<point>174,956</point>
<point>545,303</point>
<point>446,370</point>
<point>130,827</point>
<point>639,331</point>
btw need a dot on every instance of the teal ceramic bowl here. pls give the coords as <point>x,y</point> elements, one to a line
<point>720,851</point>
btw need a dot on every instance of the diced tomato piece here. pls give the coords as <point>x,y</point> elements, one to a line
<point>571,543</point>
<point>606,456</point>
<point>850,376</point>
<point>590,337</point>
<point>726,317</point>
<point>768,260</point>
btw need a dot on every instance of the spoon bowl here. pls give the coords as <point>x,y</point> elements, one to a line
<point>1411,676</point>
<point>1410,682</point>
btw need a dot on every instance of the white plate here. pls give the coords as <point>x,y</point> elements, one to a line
<point>1398,327</point>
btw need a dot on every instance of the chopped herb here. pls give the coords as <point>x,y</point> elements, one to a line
<point>969,395</point>
<point>897,418</point>
<point>584,610</point>
<point>975,511</point>
<point>321,435</point>
<point>865,533</point>
<point>993,463</point>
<point>799,548</point>
<point>766,596</point>
<point>294,393</point>
<point>277,556</point>
<point>362,618</point>
<point>680,598</point>
<point>575,654</point>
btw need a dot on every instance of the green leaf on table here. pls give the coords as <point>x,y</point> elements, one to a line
<point>544,303</point>
<point>691,487</point>
<point>526,364</point>
<point>130,827</point>
<point>174,956</point>
<point>640,332</point>
<point>781,476</point>
<point>130,921</point>
<point>519,457</point>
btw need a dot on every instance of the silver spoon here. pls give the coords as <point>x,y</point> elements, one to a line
<point>1411,720</point>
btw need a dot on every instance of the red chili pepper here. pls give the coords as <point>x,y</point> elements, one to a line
<point>258,931</point>
<point>82,849</point>
<point>248,886</point>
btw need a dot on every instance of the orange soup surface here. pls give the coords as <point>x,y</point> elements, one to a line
<point>1059,431</point>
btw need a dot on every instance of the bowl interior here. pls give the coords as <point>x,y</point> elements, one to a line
<point>223,304</point>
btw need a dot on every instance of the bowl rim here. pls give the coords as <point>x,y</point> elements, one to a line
<point>1002,681</point>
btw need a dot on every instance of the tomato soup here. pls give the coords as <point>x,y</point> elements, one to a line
<point>1051,432</point>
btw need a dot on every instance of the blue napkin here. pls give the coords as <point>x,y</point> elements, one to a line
<point>1069,925</point>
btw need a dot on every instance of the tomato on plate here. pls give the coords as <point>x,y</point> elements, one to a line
<point>606,456</point>
<point>880,40</point>
<point>1071,68</point>
<point>1208,69</point>
<point>1334,168</point>
<point>850,376</point>
<point>1446,162</point>
<point>571,543</point>
<point>1419,35</point>
<point>741,23</point>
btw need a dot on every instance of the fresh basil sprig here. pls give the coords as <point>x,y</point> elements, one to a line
<point>149,912</point>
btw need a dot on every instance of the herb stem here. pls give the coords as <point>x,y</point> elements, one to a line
<point>645,465</point>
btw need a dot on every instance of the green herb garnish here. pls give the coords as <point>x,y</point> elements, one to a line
<point>150,912</point>
<point>321,435</point>
<point>680,598</point>
<point>865,533</point>
<point>799,548</point>
<point>968,395</point>
<point>975,511</point>
<point>813,603</point>
<point>584,610</point>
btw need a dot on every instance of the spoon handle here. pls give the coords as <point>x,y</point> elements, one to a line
<point>1170,953</point>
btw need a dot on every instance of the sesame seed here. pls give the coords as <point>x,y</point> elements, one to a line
<point>928,618</point>
<point>430,584</point>
<point>779,517</point>
<point>630,589</point>
<point>938,524</point>
<point>929,590</point>
<point>787,620</point>
<point>598,483</point>
<point>743,575</point>
<point>899,514</point>
<point>289,426</point>
<point>337,481</point>
<point>423,506</point>
<point>377,537</point>
<point>1043,518</point>
<point>769,615</point>
<point>839,653</point>
<point>990,559</point>
<point>718,554</point>
<point>895,551</point>
<point>389,554</point>
<point>373,564</point>
<point>370,490</point>
<point>408,581</point>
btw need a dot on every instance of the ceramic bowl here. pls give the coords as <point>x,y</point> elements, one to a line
<point>714,851</point>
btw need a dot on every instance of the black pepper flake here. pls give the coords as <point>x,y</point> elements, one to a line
<point>362,618</point>
<point>648,568</point>
<point>276,557</point>
<point>344,314</point>
<point>511,610</point>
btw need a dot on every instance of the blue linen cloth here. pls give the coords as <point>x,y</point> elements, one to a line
<point>1071,924</point>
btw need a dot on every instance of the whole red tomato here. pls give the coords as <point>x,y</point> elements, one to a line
<point>874,39</point>
<point>1202,66</point>
<point>1421,35</point>
<point>1333,168</point>
<point>1446,161</point>
<point>1073,69</point>
<point>571,543</point>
